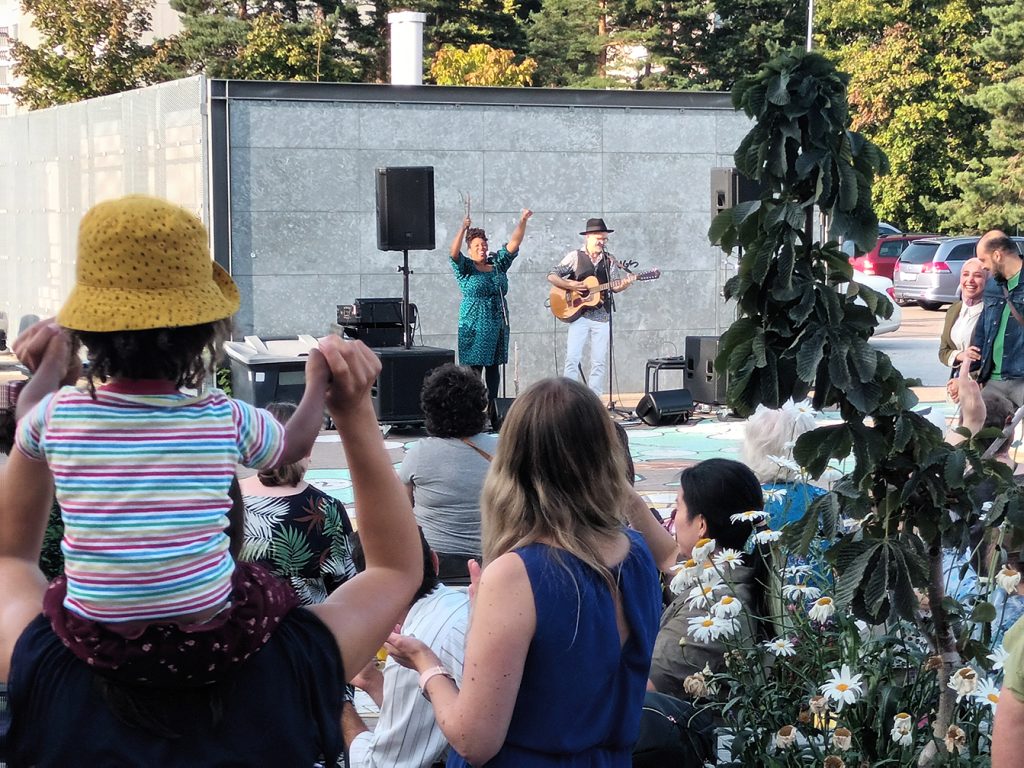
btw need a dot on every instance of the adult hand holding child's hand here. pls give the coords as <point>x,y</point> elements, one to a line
<point>45,349</point>
<point>353,368</point>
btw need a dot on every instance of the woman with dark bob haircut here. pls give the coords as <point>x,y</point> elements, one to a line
<point>445,471</point>
<point>710,493</point>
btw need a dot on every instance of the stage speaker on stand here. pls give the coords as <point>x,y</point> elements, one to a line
<point>702,379</point>
<point>405,209</point>
<point>667,406</point>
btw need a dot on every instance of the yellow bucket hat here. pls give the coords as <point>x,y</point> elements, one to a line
<point>145,263</point>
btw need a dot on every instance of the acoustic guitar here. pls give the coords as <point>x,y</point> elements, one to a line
<point>566,305</point>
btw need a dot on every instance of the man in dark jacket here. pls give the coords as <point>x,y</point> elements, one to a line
<point>999,335</point>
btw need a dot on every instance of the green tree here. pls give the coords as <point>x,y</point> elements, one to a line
<point>911,64</point>
<point>992,189</point>
<point>88,48</point>
<point>480,65</point>
<point>801,330</point>
<point>566,42</point>
<point>282,41</point>
<point>749,31</point>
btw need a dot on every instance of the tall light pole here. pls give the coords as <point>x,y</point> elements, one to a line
<point>810,24</point>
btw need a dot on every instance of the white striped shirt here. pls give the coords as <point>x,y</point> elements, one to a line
<point>407,735</point>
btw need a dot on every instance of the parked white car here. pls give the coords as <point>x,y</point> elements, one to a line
<point>884,286</point>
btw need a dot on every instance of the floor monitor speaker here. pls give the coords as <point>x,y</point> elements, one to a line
<point>405,209</point>
<point>396,393</point>
<point>669,406</point>
<point>501,406</point>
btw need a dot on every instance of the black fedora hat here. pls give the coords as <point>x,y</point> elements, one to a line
<point>595,225</point>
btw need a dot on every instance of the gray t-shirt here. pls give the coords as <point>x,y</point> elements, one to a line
<point>447,476</point>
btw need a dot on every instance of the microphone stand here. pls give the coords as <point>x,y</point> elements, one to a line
<point>609,299</point>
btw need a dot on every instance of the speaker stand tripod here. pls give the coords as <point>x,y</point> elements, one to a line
<point>406,320</point>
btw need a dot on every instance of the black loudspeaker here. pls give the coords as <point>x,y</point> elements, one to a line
<point>405,209</point>
<point>396,393</point>
<point>702,379</point>
<point>501,406</point>
<point>669,406</point>
<point>729,188</point>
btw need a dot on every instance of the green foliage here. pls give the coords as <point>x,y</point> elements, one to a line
<point>286,41</point>
<point>88,48</point>
<point>799,331</point>
<point>480,65</point>
<point>911,64</point>
<point>992,188</point>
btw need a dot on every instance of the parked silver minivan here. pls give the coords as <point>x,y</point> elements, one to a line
<point>928,271</point>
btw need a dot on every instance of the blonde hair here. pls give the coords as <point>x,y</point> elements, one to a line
<point>558,476</point>
<point>770,433</point>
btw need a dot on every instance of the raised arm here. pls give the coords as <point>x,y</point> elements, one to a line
<point>303,427</point>
<point>26,494</point>
<point>517,234</point>
<point>457,242</point>
<point>662,544</point>
<point>363,610</point>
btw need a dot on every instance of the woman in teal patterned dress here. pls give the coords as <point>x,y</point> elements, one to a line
<point>483,313</point>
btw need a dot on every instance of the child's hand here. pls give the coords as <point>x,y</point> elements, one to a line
<point>45,349</point>
<point>318,373</point>
<point>354,368</point>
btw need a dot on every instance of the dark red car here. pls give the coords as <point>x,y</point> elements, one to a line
<point>881,259</point>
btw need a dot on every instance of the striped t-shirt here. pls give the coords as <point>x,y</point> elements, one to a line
<point>142,474</point>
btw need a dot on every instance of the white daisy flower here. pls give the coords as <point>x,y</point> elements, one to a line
<point>728,558</point>
<point>800,592</point>
<point>998,657</point>
<point>753,516</point>
<point>727,607</point>
<point>775,495</point>
<point>785,737</point>
<point>680,582</point>
<point>843,688</point>
<point>767,536</point>
<point>702,595</point>
<point>987,692</point>
<point>1008,578</point>
<point>780,646</point>
<point>822,609</point>
<point>902,729</point>
<point>796,571</point>
<point>964,681</point>
<point>785,463</point>
<point>705,628</point>
<point>708,574</point>
<point>702,550</point>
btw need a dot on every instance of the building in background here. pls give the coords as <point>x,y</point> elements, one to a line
<point>17,25</point>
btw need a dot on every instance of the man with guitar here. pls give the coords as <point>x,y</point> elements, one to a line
<point>590,323</point>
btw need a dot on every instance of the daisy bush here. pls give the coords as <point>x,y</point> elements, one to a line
<point>818,683</point>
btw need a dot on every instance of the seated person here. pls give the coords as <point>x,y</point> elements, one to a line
<point>406,734</point>
<point>278,706</point>
<point>710,493</point>
<point>445,471</point>
<point>294,530</point>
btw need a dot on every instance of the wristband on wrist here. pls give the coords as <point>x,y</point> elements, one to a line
<point>428,674</point>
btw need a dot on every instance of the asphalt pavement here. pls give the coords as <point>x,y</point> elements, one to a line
<point>914,348</point>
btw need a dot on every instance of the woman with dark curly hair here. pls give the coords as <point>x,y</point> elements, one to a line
<point>483,313</point>
<point>445,471</point>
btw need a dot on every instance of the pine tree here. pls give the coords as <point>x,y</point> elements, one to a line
<point>747,33</point>
<point>911,65</point>
<point>993,189</point>
<point>88,48</point>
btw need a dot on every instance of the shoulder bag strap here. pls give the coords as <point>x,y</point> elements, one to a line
<point>1013,310</point>
<point>477,448</point>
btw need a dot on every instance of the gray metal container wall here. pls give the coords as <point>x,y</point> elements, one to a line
<point>289,182</point>
<point>57,163</point>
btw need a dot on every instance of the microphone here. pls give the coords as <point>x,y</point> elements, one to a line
<point>490,258</point>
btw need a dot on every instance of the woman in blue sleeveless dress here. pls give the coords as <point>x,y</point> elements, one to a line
<point>483,312</point>
<point>566,609</point>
